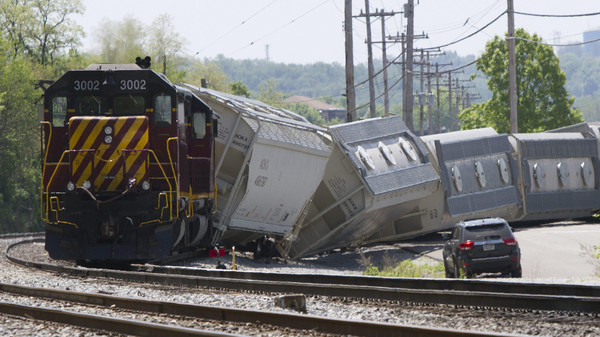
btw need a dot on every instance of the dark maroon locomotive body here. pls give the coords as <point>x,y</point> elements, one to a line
<point>128,169</point>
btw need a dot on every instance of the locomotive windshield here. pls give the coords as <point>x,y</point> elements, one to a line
<point>129,105</point>
<point>90,105</point>
<point>111,93</point>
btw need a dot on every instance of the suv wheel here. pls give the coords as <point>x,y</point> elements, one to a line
<point>456,269</point>
<point>449,273</point>
<point>517,272</point>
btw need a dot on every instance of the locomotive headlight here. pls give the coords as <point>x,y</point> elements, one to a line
<point>108,139</point>
<point>87,184</point>
<point>108,130</point>
<point>145,185</point>
<point>70,186</point>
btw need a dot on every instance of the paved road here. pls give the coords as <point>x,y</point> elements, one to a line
<point>550,252</point>
<point>555,250</point>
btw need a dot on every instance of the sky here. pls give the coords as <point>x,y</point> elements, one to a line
<point>309,31</point>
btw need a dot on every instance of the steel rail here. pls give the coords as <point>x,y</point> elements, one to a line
<point>462,297</point>
<point>294,321</point>
<point>120,325</point>
<point>391,282</point>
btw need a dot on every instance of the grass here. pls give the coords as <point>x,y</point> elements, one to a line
<point>406,268</point>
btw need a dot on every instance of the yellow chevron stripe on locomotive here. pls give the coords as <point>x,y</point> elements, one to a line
<point>108,151</point>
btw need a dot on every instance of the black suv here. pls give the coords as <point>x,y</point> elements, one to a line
<point>482,246</point>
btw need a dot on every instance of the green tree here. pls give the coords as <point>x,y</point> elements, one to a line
<point>19,145</point>
<point>164,43</point>
<point>40,28</point>
<point>121,42</point>
<point>268,92</point>
<point>239,89</point>
<point>543,101</point>
<point>54,31</point>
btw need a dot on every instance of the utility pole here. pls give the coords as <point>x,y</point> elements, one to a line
<point>409,12</point>
<point>421,94</point>
<point>450,101</point>
<point>350,94</point>
<point>437,87</point>
<point>382,14</point>
<point>429,102</point>
<point>267,52</point>
<point>457,98</point>
<point>386,99</point>
<point>370,63</point>
<point>512,69</point>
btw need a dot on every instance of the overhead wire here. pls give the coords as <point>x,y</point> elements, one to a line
<point>236,27</point>
<point>285,25</point>
<point>470,35</point>
<point>558,15</point>
<point>554,44</point>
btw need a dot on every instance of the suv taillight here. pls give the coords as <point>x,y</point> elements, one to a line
<point>510,241</point>
<point>466,245</point>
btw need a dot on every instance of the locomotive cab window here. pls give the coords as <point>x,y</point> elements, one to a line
<point>129,105</point>
<point>162,110</point>
<point>199,125</point>
<point>90,105</point>
<point>59,111</point>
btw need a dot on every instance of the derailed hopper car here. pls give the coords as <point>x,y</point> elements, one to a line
<point>373,188</point>
<point>270,162</point>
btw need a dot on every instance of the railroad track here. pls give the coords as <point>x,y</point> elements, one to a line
<point>143,328</point>
<point>468,293</point>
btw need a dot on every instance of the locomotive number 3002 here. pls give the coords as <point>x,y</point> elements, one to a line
<point>86,85</point>
<point>133,85</point>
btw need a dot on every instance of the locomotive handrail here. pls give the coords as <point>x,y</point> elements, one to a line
<point>48,194</point>
<point>174,177</point>
<point>44,169</point>
<point>170,189</point>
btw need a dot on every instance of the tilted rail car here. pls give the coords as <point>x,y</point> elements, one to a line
<point>136,168</point>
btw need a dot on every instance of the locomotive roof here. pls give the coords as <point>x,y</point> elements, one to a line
<point>113,66</point>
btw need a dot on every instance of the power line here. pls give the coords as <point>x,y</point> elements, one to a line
<point>555,44</point>
<point>280,28</point>
<point>558,15</point>
<point>470,35</point>
<point>236,27</point>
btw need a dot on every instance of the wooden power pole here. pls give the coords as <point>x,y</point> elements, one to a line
<point>371,71</point>
<point>350,94</point>
<point>512,69</point>
<point>407,101</point>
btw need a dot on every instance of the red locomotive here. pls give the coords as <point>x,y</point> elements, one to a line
<point>127,165</point>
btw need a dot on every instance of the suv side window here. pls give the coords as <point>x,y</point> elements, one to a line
<point>456,233</point>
